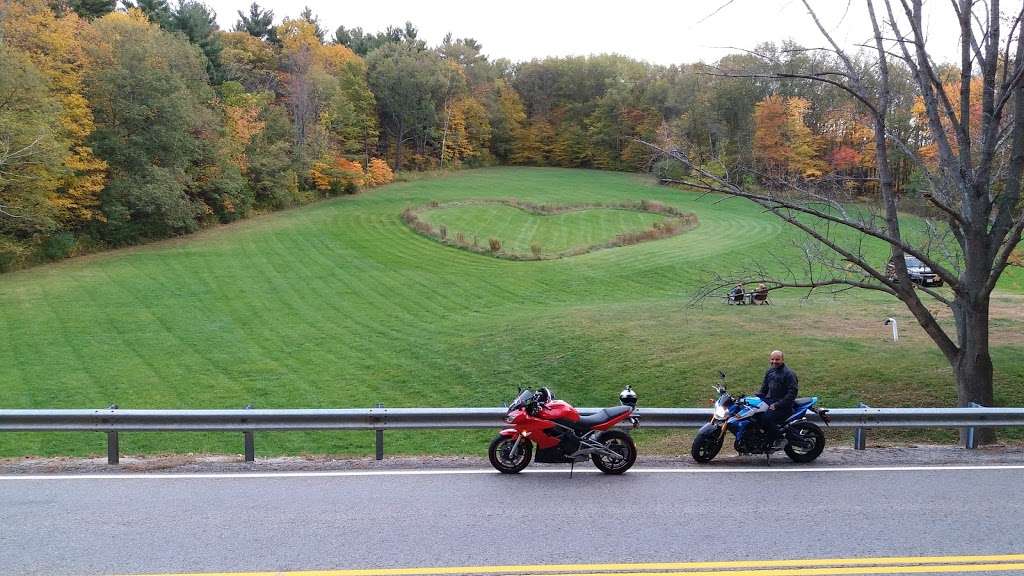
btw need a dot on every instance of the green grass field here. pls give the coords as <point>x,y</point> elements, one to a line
<point>518,229</point>
<point>339,305</point>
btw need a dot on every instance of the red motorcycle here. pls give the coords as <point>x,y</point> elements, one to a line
<point>563,436</point>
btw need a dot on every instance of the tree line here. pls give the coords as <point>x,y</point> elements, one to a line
<point>122,125</point>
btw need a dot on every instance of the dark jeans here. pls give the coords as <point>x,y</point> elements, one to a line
<point>772,419</point>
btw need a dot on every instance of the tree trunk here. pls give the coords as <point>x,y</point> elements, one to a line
<point>973,364</point>
<point>400,134</point>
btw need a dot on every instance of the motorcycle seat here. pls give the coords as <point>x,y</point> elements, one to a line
<point>605,414</point>
<point>804,400</point>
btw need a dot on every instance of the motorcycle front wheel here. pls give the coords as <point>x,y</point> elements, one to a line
<point>805,441</point>
<point>706,445</point>
<point>619,443</point>
<point>502,458</point>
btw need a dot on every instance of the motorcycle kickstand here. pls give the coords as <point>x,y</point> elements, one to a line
<point>572,465</point>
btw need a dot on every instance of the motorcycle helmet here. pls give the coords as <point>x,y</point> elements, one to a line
<point>544,395</point>
<point>628,397</point>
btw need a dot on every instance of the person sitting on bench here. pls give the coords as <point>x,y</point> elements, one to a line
<point>760,296</point>
<point>736,294</point>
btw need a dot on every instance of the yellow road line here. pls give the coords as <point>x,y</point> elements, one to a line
<point>797,567</point>
<point>849,570</point>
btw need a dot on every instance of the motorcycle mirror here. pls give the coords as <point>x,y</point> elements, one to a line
<point>721,375</point>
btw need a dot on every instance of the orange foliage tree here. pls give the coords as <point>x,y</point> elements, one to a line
<point>784,145</point>
<point>379,173</point>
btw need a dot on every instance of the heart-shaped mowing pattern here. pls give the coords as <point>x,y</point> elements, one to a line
<point>524,231</point>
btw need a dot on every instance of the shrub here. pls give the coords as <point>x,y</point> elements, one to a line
<point>460,238</point>
<point>378,172</point>
<point>10,253</point>
<point>494,244</point>
<point>668,169</point>
<point>59,246</point>
<point>535,249</point>
<point>444,232</point>
<point>347,176</point>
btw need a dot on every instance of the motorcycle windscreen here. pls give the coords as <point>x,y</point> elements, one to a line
<point>521,400</point>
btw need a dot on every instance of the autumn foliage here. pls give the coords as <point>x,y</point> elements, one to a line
<point>379,173</point>
<point>150,122</point>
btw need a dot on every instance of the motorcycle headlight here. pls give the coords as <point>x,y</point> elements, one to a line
<point>721,412</point>
<point>509,418</point>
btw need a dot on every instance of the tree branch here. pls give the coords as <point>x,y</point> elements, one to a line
<point>772,203</point>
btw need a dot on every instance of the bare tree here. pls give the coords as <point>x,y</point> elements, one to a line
<point>973,186</point>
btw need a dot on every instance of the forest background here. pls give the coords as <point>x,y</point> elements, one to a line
<point>120,125</point>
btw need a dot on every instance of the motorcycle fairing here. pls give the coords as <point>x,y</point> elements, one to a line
<point>752,405</point>
<point>800,408</point>
<point>558,410</point>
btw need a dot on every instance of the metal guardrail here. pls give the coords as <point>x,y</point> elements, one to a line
<point>113,420</point>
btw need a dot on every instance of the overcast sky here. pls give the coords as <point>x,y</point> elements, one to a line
<point>674,32</point>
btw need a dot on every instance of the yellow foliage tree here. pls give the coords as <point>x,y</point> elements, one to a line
<point>53,45</point>
<point>804,147</point>
<point>242,122</point>
<point>783,143</point>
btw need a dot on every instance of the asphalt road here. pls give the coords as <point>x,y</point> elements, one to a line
<point>158,524</point>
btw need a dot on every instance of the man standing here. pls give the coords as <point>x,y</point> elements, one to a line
<point>779,391</point>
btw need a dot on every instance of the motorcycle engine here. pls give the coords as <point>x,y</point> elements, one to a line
<point>751,441</point>
<point>567,441</point>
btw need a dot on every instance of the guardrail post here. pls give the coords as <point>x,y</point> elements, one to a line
<point>113,455</point>
<point>860,434</point>
<point>380,438</point>
<point>250,443</point>
<point>970,436</point>
<point>113,450</point>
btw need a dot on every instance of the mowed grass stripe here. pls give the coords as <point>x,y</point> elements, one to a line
<point>339,304</point>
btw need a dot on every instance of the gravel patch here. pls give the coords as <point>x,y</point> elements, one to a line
<point>912,455</point>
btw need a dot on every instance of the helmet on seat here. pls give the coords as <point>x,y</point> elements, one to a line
<point>628,397</point>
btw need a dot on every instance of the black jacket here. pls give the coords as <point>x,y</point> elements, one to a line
<point>779,387</point>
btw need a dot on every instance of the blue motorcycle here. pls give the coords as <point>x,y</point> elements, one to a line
<point>802,439</point>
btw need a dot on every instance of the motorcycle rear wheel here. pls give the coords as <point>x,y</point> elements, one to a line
<point>805,433</point>
<point>706,446</point>
<point>501,457</point>
<point>620,443</point>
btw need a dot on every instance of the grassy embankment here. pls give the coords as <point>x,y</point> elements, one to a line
<point>340,305</point>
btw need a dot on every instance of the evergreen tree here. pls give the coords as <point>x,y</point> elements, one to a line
<point>258,23</point>
<point>158,11</point>
<point>308,16</point>
<point>199,24</point>
<point>92,8</point>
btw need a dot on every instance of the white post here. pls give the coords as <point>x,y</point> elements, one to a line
<point>895,330</point>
